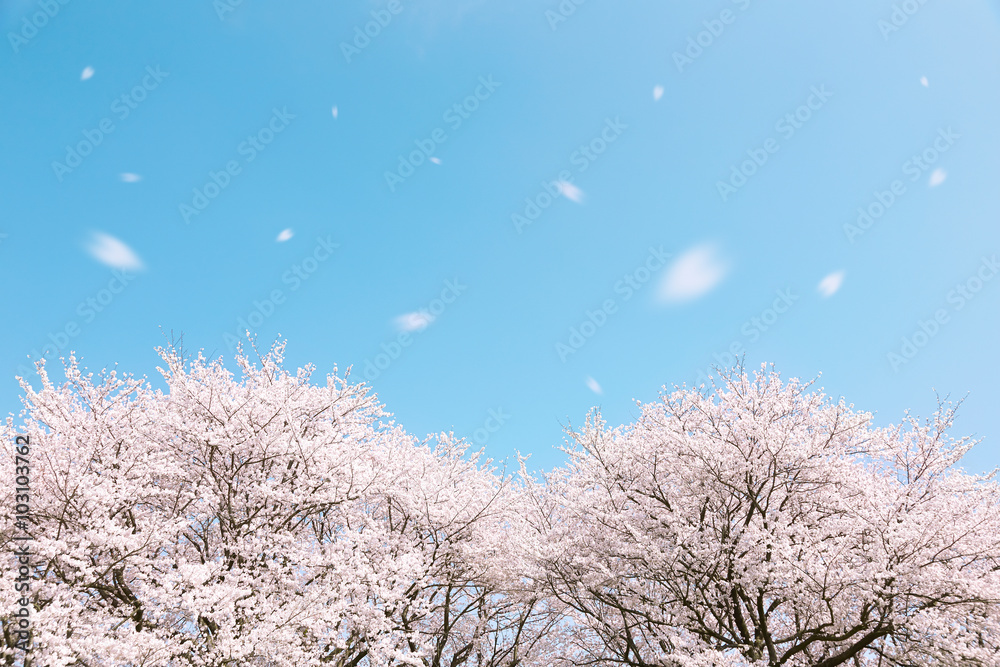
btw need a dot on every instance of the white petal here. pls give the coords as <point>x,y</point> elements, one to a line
<point>109,251</point>
<point>830,284</point>
<point>415,321</point>
<point>693,274</point>
<point>570,191</point>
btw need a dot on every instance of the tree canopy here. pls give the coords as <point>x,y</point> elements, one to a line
<point>262,518</point>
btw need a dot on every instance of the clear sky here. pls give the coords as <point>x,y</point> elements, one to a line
<point>661,178</point>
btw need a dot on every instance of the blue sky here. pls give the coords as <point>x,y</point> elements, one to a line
<point>581,153</point>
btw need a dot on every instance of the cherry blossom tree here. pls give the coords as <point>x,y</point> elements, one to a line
<point>761,523</point>
<point>259,520</point>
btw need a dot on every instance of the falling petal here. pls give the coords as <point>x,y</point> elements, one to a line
<point>693,274</point>
<point>570,191</point>
<point>415,321</point>
<point>830,284</point>
<point>109,251</point>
